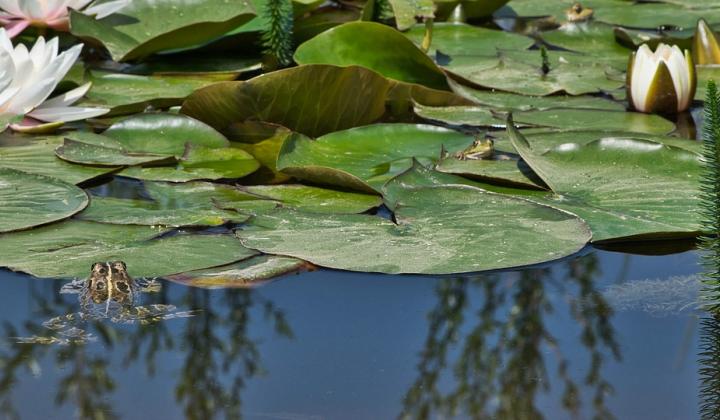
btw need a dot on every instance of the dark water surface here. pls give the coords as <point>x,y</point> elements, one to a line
<point>603,333</point>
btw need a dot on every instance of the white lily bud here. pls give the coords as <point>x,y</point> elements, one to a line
<point>706,46</point>
<point>663,81</point>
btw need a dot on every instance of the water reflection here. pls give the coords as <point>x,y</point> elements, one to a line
<point>219,355</point>
<point>495,350</point>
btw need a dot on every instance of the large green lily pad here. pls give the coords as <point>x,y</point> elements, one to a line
<point>504,101</point>
<point>616,12</point>
<point>28,200</point>
<point>164,133</point>
<point>125,211</point>
<point>438,230</point>
<point>144,27</point>
<point>352,95</point>
<point>332,98</point>
<point>127,93</point>
<point>456,39</point>
<point>512,172</point>
<point>37,155</point>
<point>248,273</point>
<point>565,119</point>
<point>200,163</point>
<point>68,249</point>
<point>626,189</point>
<point>248,200</point>
<point>87,153</point>
<point>357,43</point>
<point>364,158</point>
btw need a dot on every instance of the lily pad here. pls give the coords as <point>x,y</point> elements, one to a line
<point>626,189</point>
<point>356,43</point>
<point>200,163</point>
<point>29,200</point>
<point>512,172</point>
<point>364,158</point>
<point>123,211</point>
<point>503,101</point>
<point>144,27</point>
<point>439,230</point>
<point>315,199</point>
<point>596,40</point>
<point>37,155</point>
<point>248,273</point>
<point>457,39</point>
<point>515,76</point>
<point>248,200</point>
<point>616,12</point>
<point>68,249</point>
<point>127,93</point>
<point>84,153</point>
<point>566,119</point>
<point>352,95</point>
<point>164,133</point>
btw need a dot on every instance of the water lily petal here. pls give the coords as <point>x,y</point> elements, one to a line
<point>105,9</point>
<point>11,6</point>
<point>67,98</point>
<point>66,114</point>
<point>661,96</point>
<point>706,47</point>
<point>16,27</point>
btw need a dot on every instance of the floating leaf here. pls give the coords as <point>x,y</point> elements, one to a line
<point>503,101</point>
<point>332,98</point>
<point>37,155</point>
<point>28,200</point>
<point>123,211</point>
<point>164,133</point>
<point>248,273</point>
<point>364,158</point>
<point>356,43</point>
<point>127,94</point>
<point>200,163</point>
<point>315,199</point>
<point>454,39</point>
<point>144,27</point>
<point>93,154</point>
<point>626,189</point>
<point>510,172</point>
<point>566,119</point>
<point>439,230</point>
<point>68,249</point>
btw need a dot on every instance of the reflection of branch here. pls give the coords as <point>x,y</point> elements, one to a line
<point>220,356</point>
<point>501,367</point>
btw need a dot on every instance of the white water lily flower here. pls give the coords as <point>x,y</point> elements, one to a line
<point>27,78</point>
<point>16,15</point>
<point>663,81</point>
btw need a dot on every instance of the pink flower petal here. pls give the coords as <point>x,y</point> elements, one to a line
<point>13,28</point>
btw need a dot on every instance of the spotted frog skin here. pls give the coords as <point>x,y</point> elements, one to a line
<point>109,281</point>
<point>481,148</point>
<point>577,13</point>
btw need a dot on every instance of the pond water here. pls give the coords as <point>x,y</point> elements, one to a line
<point>604,333</point>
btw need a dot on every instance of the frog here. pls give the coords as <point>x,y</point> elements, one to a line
<point>481,148</point>
<point>577,13</point>
<point>108,293</point>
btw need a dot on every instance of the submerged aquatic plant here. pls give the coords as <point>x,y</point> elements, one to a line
<point>27,78</point>
<point>16,15</point>
<point>663,81</point>
<point>277,39</point>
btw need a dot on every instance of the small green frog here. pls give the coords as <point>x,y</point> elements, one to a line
<point>577,13</point>
<point>481,148</point>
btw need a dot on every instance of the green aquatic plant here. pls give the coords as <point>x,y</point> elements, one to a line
<point>277,38</point>
<point>710,203</point>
